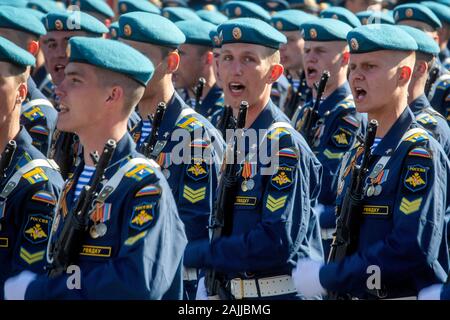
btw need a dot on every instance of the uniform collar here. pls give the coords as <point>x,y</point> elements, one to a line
<point>392,138</point>
<point>333,99</point>
<point>419,104</point>
<point>268,115</point>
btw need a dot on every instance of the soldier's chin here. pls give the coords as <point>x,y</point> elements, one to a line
<point>63,124</point>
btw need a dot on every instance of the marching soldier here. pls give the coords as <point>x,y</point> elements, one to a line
<point>272,219</point>
<point>425,115</point>
<point>338,124</point>
<point>401,230</point>
<point>192,177</point>
<point>29,183</point>
<point>134,245</point>
<point>196,61</point>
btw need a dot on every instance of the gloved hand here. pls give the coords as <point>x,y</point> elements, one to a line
<point>432,292</point>
<point>306,278</point>
<point>15,287</point>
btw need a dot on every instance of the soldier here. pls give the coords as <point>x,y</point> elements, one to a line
<point>338,124</point>
<point>135,243</point>
<point>196,61</point>
<point>126,6</point>
<point>99,9</point>
<point>402,230</point>
<point>192,177</point>
<point>245,9</point>
<point>292,86</point>
<point>425,115</point>
<point>438,87</point>
<point>272,219</point>
<point>29,183</point>
<point>341,14</point>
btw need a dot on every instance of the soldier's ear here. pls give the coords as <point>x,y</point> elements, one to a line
<point>209,58</point>
<point>22,91</point>
<point>277,71</point>
<point>33,47</point>
<point>405,73</point>
<point>346,57</point>
<point>173,61</point>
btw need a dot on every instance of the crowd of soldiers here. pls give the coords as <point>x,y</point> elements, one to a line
<point>224,149</point>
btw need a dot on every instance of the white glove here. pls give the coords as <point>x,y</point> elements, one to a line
<point>306,278</point>
<point>431,293</point>
<point>15,287</point>
<point>201,290</point>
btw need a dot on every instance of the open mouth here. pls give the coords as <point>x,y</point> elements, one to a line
<point>311,72</point>
<point>360,93</point>
<point>59,67</point>
<point>62,109</point>
<point>236,87</point>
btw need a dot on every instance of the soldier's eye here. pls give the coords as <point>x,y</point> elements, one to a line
<point>227,58</point>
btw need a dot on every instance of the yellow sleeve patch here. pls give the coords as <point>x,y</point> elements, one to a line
<point>194,195</point>
<point>408,207</point>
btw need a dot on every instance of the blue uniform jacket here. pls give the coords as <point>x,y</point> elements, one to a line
<point>336,133</point>
<point>212,106</point>
<point>192,178</point>
<point>140,255</point>
<point>432,121</point>
<point>28,212</point>
<point>403,229</point>
<point>273,223</point>
<point>439,95</point>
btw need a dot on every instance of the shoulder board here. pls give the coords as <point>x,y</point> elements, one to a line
<point>23,160</point>
<point>35,175</point>
<point>139,172</point>
<point>420,152</point>
<point>425,118</point>
<point>417,136</point>
<point>278,133</point>
<point>189,123</point>
<point>346,104</point>
<point>34,113</point>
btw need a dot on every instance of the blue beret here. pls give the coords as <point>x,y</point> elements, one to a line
<point>308,6</point>
<point>179,13</point>
<point>22,20</point>
<point>66,21</point>
<point>14,3</point>
<point>97,6</point>
<point>446,2</point>
<point>245,9</point>
<point>111,55</point>
<point>175,3</point>
<point>376,37</point>
<point>150,28</point>
<point>325,30</point>
<point>290,20</point>
<point>418,12</point>
<point>425,43</point>
<point>114,30</point>
<point>126,6</point>
<point>440,10</point>
<point>342,14</point>
<point>215,40</point>
<point>11,53</point>
<point>373,17</point>
<point>45,6</point>
<point>196,32</point>
<point>214,17</point>
<point>274,5</point>
<point>250,30</point>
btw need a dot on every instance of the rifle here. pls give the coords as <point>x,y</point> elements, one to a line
<point>226,122</point>
<point>199,92</point>
<point>311,114</point>
<point>222,217</point>
<point>432,76</point>
<point>7,156</point>
<point>68,245</point>
<point>149,144</point>
<point>64,156</point>
<point>345,240</point>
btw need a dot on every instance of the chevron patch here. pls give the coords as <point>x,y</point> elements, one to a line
<point>31,258</point>
<point>194,195</point>
<point>408,207</point>
<point>425,119</point>
<point>333,155</point>
<point>132,240</point>
<point>34,114</point>
<point>277,133</point>
<point>274,204</point>
<point>36,175</point>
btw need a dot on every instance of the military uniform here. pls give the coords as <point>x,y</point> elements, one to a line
<point>212,107</point>
<point>439,95</point>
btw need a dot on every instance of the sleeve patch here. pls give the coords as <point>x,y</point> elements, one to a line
<point>351,120</point>
<point>426,119</point>
<point>416,178</point>
<point>45,197</point>
<point>189,123</point>
<point>408,207</point>
<point>333,155</point>
<point>132,240</point>
<point>283,178</point>
<point>34,114</point>
<point>41,130</point>
<point>35,176</point>
<point>288,153</point>
<point>274,204</point>
<point>197,170</point>
<point>278,133</point>
<point>139,172</point>
<point>31,258</point>
<point>194,195</point>
<point>150,190</point>
<point>342,138</point>
<point>199,143</point>
<point>420,152</point>
<point>417,137</point>
<point>37,228</point>
<point>143,216</point>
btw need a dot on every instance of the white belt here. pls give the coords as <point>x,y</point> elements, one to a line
<point>268,287</point>
<point>327,234</point>
<point>189,274</point>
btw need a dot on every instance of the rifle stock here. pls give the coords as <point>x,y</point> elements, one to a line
<point>68,245</point>
<point>222,217</point>
<point>346,237</point>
